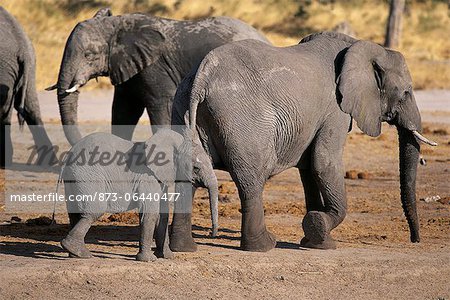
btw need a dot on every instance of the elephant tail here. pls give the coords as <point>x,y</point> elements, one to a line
<point>198,95</point>
<point>199,87</point>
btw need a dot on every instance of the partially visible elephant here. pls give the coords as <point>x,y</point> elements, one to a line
<point>18,90</point>
<point>260,110</point>
<point>104,173</point>
<point>145,57</point>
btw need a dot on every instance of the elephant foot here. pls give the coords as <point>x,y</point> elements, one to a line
<point>182,242</point>
<point>327,243</point>
<point>166,253</point>
<point>262,243</point>
<point>316,226</point>
<point>145,256</point>
<point>76,249</point>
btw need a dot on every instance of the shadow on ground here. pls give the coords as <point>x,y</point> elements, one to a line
<point>43,237</point>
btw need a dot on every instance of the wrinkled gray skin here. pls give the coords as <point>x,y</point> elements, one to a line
<point>259,110</point>
<point>18,88</point>
<point>145,57</point>
<point>82,178</point>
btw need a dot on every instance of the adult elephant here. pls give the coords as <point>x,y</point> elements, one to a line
<point>145,57</point>
<point>18,90</point>
<point>263,109</point>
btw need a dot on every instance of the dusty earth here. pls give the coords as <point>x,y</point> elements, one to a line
<point>374,258</point>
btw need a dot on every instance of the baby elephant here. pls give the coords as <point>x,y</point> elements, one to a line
<point>104,173</point>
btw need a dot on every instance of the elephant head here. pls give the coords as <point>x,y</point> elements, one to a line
<point>375,86</point>
<point>189,167</point>
<point>106,45</point>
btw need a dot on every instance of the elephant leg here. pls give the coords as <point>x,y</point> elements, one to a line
<point>148,221</point>
<point>328,170</point>
<point>31,110</point>
<point>74,212</point>
<point>74,241</point>
<point>126,110</point>
<point>255,236</point>
<point>162,237</point>
<point>314,201</point>
<point>32,116</point>
<point>162,232</point>
<point>160,114</point>
<point>6,149</point>
<point>181,239</point>
<point>73,219</point>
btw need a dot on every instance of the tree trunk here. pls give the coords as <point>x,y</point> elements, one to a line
<point>394,25</point>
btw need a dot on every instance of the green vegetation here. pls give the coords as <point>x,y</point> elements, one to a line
<point>425,41</point>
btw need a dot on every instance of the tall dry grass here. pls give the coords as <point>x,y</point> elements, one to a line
<point>425,41</point>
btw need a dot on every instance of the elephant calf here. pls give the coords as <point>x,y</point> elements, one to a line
<point>119,175</point>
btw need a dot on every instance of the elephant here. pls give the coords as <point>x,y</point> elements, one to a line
<point>18,90</point>
<point>145,58</point>
<point>104,173</point>
<point>259,110</point>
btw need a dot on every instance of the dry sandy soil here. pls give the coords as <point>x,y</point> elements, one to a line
<point>374,258</point>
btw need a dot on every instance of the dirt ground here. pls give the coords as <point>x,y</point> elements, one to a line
<point>374,258</point>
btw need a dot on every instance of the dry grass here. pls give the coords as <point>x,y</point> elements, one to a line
<point>425,43</point>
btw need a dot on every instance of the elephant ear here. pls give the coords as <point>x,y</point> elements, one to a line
<point>135,46</point>
<point>104,12</point>
<point>360,84</point>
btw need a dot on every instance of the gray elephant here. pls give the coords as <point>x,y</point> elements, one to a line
<point>259,110</point>
<point>145,57</point>
<point>18,90</point>
<point>105,173</point>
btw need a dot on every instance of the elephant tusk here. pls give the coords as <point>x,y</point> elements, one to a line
<point>422,161</point>
<point>74,88</point>
<point>51,88</point>
<point>423,139</point>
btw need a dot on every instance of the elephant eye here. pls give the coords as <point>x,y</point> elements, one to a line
<point>89,55</point>
<point>406,95</point>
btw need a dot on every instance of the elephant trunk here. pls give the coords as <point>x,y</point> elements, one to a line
<point>67,99</point>
<point>68,106</point>
<point>409,150</point>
